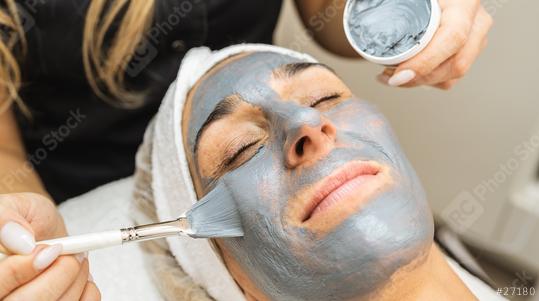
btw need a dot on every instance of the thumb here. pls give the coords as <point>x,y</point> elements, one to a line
<point>39,212</point>
<point>16,234</point>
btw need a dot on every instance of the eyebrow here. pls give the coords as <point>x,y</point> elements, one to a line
<point>293,69</point>
<point>224,107</point>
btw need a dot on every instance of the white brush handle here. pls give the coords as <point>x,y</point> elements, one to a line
<point>83,243</point>
<point>93,241</point>
<point>86,242</point>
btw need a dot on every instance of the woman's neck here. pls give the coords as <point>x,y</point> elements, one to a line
<point>433,279</point>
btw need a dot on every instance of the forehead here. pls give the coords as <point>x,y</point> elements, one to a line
<point>247,76</point>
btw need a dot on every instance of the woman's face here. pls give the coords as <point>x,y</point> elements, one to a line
<point>330,206</point>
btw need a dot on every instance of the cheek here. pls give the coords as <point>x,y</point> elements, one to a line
<point>256,185</point>
<point>358,117</point>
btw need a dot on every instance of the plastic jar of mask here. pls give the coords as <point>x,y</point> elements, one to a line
<point>389,32</point>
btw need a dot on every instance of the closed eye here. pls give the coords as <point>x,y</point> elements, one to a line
<point>230,160</point>
<point>325,98</point>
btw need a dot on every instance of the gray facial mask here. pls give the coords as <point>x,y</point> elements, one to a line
<point>286,262</point>
<point>386,28</point>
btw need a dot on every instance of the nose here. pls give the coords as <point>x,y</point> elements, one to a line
<point>310,143</point>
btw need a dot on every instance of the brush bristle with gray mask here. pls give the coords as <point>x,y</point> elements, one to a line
<point>215,215</point>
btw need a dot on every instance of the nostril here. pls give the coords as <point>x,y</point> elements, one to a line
<point>300,146</point>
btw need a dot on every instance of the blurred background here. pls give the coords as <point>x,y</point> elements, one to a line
<point>475,147</point>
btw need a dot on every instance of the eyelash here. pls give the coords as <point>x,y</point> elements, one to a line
<point>325,98</point>
<point>229,160</point>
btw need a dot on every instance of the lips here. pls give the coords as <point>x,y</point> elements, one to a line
<point>330,201</point>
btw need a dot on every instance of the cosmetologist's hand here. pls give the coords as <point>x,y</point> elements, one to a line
<point>462,35</point>
<point>38,272</point>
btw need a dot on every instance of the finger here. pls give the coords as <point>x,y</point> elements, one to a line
<point>41,214</point>
<point>385,75</point>
<point>16,238</point>
<point>438,83</point>
<point>476,42</point>
<point>451,36</point>
<point>16,270</point>
<point>9,211</point>
<point>469,5</point>
<point>441,74</point>
<point>52,283</point>
<point>16,234</point>
<point>447,85</point>
<point>389,71</point>
<point>458,65</point>
<point>74,292</point>
<point>91,292</point>
<point>35,213</point>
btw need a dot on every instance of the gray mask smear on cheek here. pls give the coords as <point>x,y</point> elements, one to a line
<point>293,263</point>
<point>385,28</point>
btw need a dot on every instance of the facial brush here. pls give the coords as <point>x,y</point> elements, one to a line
<point>215,215</point>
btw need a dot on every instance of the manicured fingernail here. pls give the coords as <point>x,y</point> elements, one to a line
<point>47,256</point>
<point>401,78</point>
<point>17,239</point>
<point>382,78</point>
<point>81,256</point>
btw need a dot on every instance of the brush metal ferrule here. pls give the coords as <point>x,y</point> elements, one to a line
<point>179,226</point>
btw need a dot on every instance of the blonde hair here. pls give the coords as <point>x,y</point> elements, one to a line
<point>104,68</point>
<point>10,75</point>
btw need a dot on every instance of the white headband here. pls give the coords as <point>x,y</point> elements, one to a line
<point>172,183</point>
